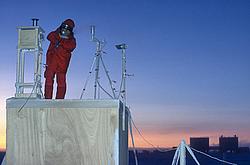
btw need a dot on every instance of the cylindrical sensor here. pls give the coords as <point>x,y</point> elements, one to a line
<point>92,32</point>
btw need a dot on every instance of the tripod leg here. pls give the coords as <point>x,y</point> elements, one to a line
<point>87,80</point>
<point>110,82</point>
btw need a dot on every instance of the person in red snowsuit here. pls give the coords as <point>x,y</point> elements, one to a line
<point>62,43</point>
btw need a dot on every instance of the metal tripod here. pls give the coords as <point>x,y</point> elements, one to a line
<point>96,63</point>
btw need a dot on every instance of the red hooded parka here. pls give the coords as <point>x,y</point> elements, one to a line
<point>57,61</point>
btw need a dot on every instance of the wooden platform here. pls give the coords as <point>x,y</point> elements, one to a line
<point>66,132</point>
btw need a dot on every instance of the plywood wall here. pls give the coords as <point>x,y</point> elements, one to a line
<point>66,132</point>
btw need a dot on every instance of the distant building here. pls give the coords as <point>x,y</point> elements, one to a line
<point>200,143</point>
<point>228,144</point>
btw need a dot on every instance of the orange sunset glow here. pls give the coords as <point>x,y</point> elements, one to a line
<point>173,140</point>
<point>2,142</point>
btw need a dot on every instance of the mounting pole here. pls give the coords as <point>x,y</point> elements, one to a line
<point>124,86</point>
<point>183,153</point>
<point>123,47</point>
<point>97,68</point>
<point>180,154</point>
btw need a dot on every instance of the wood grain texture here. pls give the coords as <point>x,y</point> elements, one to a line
<point>83,135</point>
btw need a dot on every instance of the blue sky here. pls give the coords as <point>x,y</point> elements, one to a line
<point>191,60</point>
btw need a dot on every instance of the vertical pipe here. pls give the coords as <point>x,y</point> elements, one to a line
<point>98,53</point>
<point>39,71</point>
<point>22,71</point>
<point>183,153</point>
<point>40,53</point>
<point>124,87</point>
<point>132,137</point>
<point>18,71</point>
<point>36,53</point>
<point>92,32</point>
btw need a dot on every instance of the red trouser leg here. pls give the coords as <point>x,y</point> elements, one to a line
<point>48,92</point>
<point>49,84</point>
<point>61,85</point>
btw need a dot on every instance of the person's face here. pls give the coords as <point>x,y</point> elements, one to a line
<point>65,30</point>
